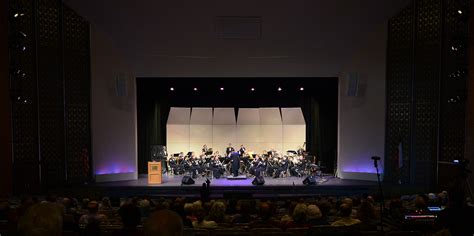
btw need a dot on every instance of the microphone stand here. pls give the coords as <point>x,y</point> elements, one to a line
<point>382,202</point>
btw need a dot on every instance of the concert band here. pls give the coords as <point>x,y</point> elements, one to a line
<point>270,163</point>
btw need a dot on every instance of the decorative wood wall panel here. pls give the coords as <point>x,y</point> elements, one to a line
<point>50,105</point>
<point>426,75</point>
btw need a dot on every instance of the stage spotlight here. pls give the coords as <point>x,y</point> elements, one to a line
<point>252,89</point>
<point>279,89</point>
<point>460,12</point>
<point>222,88</point>
<point>195,89</point>
<point>171,89</point>
<point>301,89</point>
<point>18,73</point>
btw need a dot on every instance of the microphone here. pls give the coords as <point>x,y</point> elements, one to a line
<point>375,158</point>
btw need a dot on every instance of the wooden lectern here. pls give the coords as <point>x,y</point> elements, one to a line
<point>154,172</point>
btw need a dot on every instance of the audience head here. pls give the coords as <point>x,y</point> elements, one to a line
<point>299,213</point>
<point>164,223</point>
<point>217,212</point>
<point>345,210</point>
<point>42,219</point>
<point>93,207</point>
<point>313,212</point>
<point>366,211</point>
<point>130,215</point>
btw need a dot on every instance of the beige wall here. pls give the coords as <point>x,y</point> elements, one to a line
<point>114,123</point>
<point>310,38</point>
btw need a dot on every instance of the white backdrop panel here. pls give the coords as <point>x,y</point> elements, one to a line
<point>200,133</point>
<point>248,116</point>
<point>291,146</point>
<point>248,133</point>
<point>197,147</point>
<point>179,115</point>
<point>201,116</point>
<point>294,133</point>
<point>292,116</point>
<point>177,148</point>
<point>223,134</point>
<point>224,116</point>
<point>177,133</point>
<point>269,145</point>
<point>271,133</point>
<point>270,116</point>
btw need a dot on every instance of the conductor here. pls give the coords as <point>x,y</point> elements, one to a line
<point>235,163</point>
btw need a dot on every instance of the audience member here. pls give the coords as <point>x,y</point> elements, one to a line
<point>41,219</point>
<point>314,216</point>
<point>164,223</point>
<point>93,215</point>
<point>200,222</point>
<point>346,216</point>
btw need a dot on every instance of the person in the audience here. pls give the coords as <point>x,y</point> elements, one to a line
<point>346,216</point>
<point>366,214</point>
<point>200,221</point>
<point>163,223</point>
<point>93,215</point>
<point>42,219</point>
<point>314,216</point>
<point>131,218</point>
<point>217,212</point>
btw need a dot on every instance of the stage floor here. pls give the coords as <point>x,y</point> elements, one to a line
<point>273,187</point>
<point>175,181</point>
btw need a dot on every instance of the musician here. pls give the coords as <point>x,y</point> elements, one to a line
<point>196,166</point>
<point>229,150</point>
<point>283,166</point>
<point>242,150</point>
<point>235,163</point>
<point>205,149</point>
<point>261,166</point>
<point>272,163</point>
<point>300,151</point>
<point>253,166</point>
<point>297,167</point>
<point>216,167</point>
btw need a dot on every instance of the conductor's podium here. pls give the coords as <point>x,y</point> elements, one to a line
<point>154,172</point>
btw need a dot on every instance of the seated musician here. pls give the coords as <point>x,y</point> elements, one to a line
<point>205,149</point>
<point>235,163</point>
<point>298,166</point>
<point>173,162</point>
<point>196,167</point>
<point>283,166</point>
<point>229,150</point>
<point>242,150</point>
<point>216,167</point>
<point>253,166</point>
<point>261,166</point>
<point>272,163</point>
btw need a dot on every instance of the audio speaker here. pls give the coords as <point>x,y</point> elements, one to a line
<point>258,181</point>
<point>187,180</point>
<point>158,152</point>
<point>353,85</point>
<point>310,180</point>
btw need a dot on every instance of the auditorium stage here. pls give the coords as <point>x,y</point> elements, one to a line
<point>280,187</point>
